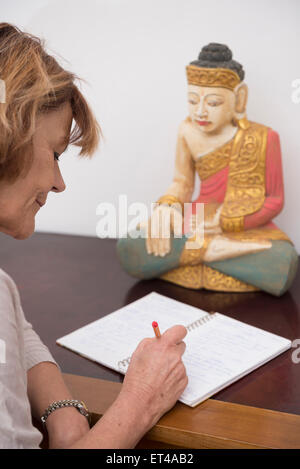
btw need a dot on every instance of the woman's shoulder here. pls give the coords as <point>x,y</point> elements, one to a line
<point>5,279</point>
<point>8,290</point>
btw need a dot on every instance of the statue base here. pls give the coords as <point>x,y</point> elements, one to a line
<point>201,276</point>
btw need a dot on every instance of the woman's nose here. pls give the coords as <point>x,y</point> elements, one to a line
<point>59,183</point>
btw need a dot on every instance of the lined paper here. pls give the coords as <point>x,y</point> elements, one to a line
<point>219,350</point>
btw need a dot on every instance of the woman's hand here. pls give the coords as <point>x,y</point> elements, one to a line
<point>156,377</point>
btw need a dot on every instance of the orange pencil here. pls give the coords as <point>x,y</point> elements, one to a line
<point>156,329</point>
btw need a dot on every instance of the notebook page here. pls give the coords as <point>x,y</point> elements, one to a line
<point>112,340</point>
<point>222,351</point>
<point>218,351</point>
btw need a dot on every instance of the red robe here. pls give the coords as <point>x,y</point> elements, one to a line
<point>213,189</point>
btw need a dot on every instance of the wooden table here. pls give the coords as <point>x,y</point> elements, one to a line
<point>66,282</point>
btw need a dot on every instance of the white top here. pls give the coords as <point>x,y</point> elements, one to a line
<point>20,349</point>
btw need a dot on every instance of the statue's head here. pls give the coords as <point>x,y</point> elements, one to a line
<point>217,95</point>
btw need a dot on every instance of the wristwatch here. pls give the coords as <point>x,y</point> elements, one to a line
<point>79,405</point>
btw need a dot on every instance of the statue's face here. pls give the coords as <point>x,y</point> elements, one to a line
<point>210,108</point>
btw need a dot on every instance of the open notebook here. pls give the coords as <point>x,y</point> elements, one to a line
<point>219,350</point>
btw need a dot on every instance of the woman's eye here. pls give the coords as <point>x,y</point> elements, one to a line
<point>56,156</point>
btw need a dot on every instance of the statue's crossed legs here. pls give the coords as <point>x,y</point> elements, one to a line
<point>222,263</point>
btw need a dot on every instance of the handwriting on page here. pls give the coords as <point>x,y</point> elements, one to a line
<point>221,350</point>
<point>127,327</point>
<point>123,364</point>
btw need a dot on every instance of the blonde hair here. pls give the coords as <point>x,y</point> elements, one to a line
<point>35,83</point>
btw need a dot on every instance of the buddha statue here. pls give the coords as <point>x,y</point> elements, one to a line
<point>239,165</point>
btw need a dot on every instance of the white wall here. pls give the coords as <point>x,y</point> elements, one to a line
<point>133,55</point>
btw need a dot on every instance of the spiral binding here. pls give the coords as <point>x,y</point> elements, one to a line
<point>123,364</point>
<point>199,322</point>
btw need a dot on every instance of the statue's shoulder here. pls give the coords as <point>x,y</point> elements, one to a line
<point>251,125</point>
<point>271,133</point>
<point>185,127</point>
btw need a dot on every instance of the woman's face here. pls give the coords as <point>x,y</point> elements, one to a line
<point>210,108</point>
<point>21,200</point>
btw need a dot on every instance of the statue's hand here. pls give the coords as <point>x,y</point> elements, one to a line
<point>211,225</point>
<point>212,218</point>
<point>212,215</point>
<point>159,229</point>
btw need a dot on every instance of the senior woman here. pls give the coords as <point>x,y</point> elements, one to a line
<point>41,102</point>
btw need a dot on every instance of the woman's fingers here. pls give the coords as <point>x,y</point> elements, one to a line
<point>181,347</point>
<point>174,335</point>
<point>156,375</point>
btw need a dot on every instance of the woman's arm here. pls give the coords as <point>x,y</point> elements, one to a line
<point>153,383</point>
<point>122,426</point>
<point>45,385</point>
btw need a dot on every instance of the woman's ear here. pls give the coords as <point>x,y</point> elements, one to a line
<point>241,93</point>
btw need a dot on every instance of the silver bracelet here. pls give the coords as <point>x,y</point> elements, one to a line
<point>79,405</point>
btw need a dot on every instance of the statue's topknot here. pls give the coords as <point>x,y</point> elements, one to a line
<point>216,55</point>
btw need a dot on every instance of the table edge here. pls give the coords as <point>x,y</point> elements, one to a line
<point>212,424</point>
